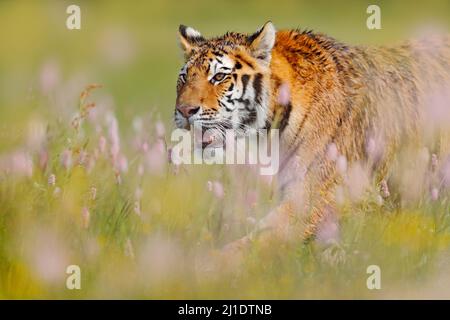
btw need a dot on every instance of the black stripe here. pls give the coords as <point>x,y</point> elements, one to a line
<point>299,129</point>
<point>253,36</point>
<point>257,85</point>
<point>246,102</point>
<point>285,116</point>
<point>245,79</point>
<point>245,61</point>
<point>223,105</point>
<point>250,118</point>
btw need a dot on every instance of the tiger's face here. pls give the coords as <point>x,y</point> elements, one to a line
<point>225,81</point>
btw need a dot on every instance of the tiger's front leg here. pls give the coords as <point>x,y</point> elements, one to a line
<point>279,225</point>
<point>296,219</point>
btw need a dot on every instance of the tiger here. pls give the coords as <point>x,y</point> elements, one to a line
<point>339,95</point>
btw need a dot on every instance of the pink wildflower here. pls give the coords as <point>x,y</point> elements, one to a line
<point>341,164</point>
<point>384,189</point>
<point>51,180</point>
<point>156,158</point>
<point>85,218</point>
<point>137,208</point>
<point>332,152</point>
<point>102,144</point>
<point>114,137</point>
<point>434,194</point>
<point>122,163</point>
<point>434,162</point>
<point>66,159</point>
<point>328,229</point>
<point>284,94</point>
<point>216,188</point>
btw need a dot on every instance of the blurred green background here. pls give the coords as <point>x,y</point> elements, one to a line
<point>131,47</point>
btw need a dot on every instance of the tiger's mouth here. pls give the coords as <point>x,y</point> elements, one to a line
<point>212,138</point>
<point>213,135</point>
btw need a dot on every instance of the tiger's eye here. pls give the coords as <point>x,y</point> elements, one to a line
<point>219,76</point>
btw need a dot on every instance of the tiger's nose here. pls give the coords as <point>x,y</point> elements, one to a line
<point>187,111</point>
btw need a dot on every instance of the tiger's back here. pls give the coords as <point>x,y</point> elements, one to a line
<point>355,96</point>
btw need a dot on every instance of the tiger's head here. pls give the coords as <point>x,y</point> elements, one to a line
<point>225,81</point>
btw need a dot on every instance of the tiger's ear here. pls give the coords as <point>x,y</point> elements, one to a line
<point>189,39</point>
<point>262,42</point>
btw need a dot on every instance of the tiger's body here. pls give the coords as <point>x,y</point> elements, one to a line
<point>346,96</point>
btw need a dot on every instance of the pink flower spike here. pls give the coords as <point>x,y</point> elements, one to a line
<point>137,208</point>
<point>144,147</point>
<point>160,129</point>
<point>328,229</point>
<point>122,164</point>
<point>341,164</point>
<point>371,147</point>
<point>216,188</point>
<point>19,163</point>
<point>51,180</point>
<point>284,94</point>
<point>102,144</point>
<point>85,218</point>
<point>66,159</point>
<point>332,152</point>
<point>209,186</point>
<point>114,137</point>
<point>434,162</point>
<point>384,189</point>
<point>156,158</point>
<point>434,194</point>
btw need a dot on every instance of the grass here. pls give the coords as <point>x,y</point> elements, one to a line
<point>138,226</point>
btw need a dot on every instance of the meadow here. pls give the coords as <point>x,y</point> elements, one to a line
<point>85,176</point>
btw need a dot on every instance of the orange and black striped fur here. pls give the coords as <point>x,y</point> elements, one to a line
<point>339,95</point>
